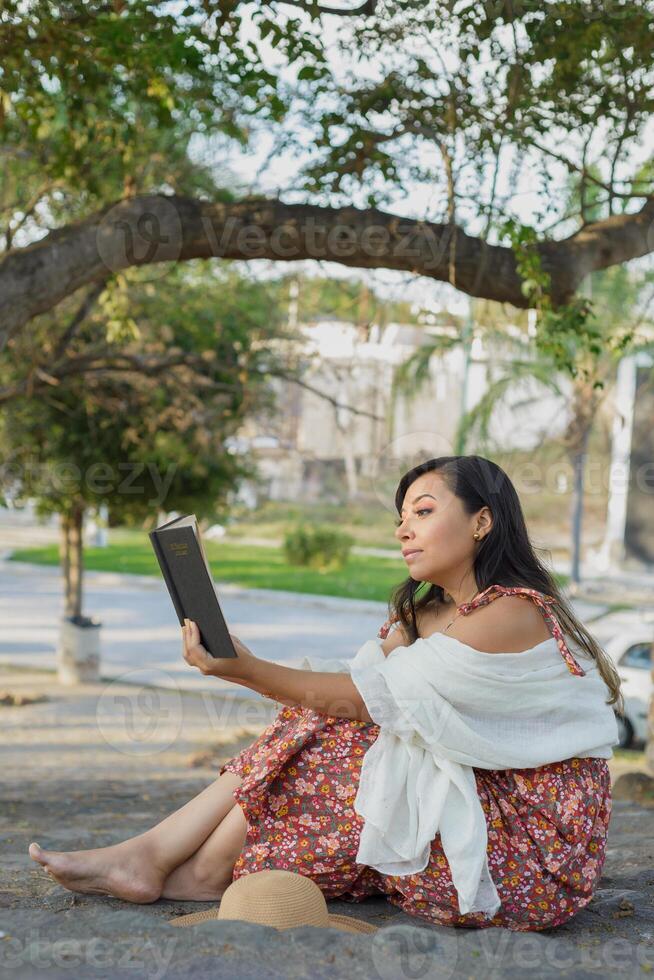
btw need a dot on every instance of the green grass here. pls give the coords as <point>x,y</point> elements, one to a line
<point>369,524</point>
<point>253,567</point>
<point>257,568</point>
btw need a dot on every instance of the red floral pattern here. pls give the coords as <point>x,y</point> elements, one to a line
<point>547,826</point>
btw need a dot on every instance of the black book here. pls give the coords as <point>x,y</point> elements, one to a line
<point>187,575</point>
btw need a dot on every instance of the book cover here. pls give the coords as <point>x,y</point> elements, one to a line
<point>186,573</point>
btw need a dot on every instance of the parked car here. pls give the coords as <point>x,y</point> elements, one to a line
<point>631,651</point>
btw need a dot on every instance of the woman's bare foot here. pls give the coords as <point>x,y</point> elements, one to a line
<point>124,870</point>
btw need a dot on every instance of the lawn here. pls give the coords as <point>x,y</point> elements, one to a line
<point>255,567</point>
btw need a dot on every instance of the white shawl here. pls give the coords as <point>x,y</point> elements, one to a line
<point>444,707</point>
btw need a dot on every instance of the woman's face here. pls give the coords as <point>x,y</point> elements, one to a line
<point>435,532</point>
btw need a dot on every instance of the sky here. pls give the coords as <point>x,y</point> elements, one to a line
<point>279,175</point>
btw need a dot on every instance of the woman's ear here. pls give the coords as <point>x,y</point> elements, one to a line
<point>485,519</point>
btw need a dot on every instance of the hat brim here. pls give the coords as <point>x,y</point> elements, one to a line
<point>345,923</point>
<point>193,918</point>
<point>350,924</point>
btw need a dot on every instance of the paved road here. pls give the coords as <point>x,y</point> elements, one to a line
<point>140,631</point>
<point>140,634</point>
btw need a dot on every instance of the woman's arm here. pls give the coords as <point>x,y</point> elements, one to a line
<point>323,691</point>
<point>326,692</point>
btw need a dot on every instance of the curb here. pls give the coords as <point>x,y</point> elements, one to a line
<point>129,580</point>
<point>308,599</point>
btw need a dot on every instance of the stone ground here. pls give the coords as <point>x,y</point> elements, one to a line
<point>92,765</point>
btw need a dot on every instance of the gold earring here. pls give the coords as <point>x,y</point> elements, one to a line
<point>476,535</point>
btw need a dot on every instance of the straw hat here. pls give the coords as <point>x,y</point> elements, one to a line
<point>277,898</point>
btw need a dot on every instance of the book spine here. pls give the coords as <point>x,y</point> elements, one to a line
<point>158,550</point>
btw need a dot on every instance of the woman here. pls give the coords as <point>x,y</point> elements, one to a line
<point>288,800</point>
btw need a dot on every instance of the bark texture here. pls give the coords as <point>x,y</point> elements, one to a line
<point>156,228</point>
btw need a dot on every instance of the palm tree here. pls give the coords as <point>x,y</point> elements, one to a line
<point>620,312</point>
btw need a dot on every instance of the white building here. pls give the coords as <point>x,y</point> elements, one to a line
<point>315,448</point>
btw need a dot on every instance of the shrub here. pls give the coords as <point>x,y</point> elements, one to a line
<point>317,547</point>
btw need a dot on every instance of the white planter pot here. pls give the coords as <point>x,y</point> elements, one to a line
<point>78,656</point>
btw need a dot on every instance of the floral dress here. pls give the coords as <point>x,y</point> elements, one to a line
<point>547,826</point>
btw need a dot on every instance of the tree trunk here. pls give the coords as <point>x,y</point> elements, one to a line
<point>75,561</point>
<point>349,460</point>
<point>585,402</point>
<point>64,557</point>
<point>350,470</point>
<point>467,336</point>
<point>578,467</point>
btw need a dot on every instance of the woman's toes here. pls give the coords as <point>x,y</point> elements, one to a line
<point>37,853</point>
<point>103,871</point>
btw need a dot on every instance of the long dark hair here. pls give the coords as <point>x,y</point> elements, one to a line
<point>504,556</point>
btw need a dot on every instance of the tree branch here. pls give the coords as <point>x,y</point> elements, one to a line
<point>322,394</point>
<point>367,8</point>
<point>573,168</point>
<point>83,311</point>
<point>155,228</point>
<point>97,361</point>
<point>28,209</point>
<point>94,362</point>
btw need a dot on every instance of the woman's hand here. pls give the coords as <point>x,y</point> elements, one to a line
<point>231,668</point>
<point>396,638</point>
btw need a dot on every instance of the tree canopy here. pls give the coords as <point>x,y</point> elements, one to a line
<point>417,132</point>
<point>138,412</point>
